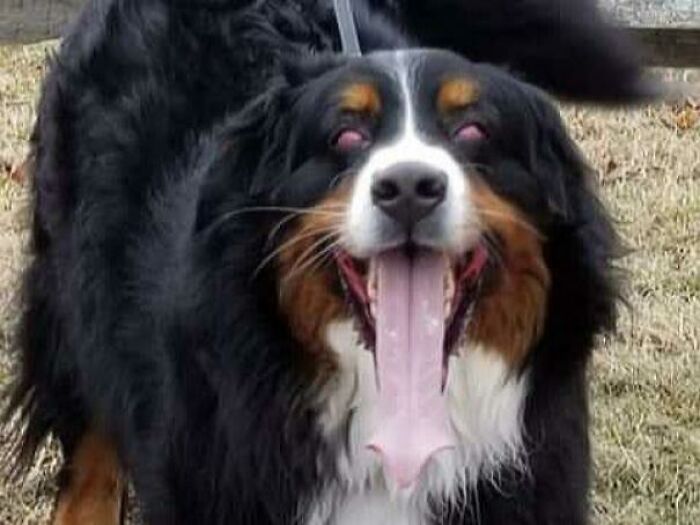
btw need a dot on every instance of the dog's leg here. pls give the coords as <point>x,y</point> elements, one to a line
<point>93,491</point>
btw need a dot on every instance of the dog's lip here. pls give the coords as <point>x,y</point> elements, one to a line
<point>462,282</point>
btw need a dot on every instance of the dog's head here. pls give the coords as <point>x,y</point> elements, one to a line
<point>434,203</point>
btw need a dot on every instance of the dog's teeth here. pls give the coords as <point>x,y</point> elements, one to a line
<point>372,280</point>
<point>450,288</point>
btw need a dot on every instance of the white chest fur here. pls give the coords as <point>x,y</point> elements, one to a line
<point>485,404</point>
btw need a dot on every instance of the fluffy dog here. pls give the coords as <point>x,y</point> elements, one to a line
<point>273,285</point>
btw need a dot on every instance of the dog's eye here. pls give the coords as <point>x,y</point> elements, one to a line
<point>350,140</point>
<point>471,132</point>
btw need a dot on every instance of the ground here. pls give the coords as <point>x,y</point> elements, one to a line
<point>645,397</point>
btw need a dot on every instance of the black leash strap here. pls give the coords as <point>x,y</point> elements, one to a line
<point>347,27</point>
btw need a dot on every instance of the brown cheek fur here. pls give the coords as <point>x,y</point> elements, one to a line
<point>510,316</point>
<point>306,284</point>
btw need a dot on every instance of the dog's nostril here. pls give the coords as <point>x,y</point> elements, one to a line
<point>386,190</point>
<point>409,192</point>
<point>431,188</point>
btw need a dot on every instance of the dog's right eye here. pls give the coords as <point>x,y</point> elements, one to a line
<point>470,132</point>
<point>349,140</point>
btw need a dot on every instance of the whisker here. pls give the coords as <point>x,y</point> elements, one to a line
<point>335,180</point>
<point>301,262</point>
<point>290,209</point>
<point>324,211</point>
<point>286,220</point>
<point>480,167</point>
<point>326,251</point>
<point>286,245</point>
<point>275,229</point>
<point>312,263</point>
<point>494,250</point>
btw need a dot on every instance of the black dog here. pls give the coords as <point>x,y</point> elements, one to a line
<point>275,285</point>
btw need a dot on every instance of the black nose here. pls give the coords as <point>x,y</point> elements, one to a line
<point>409,192</point>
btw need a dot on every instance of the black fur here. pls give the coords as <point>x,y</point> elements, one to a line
<point>140,315</point>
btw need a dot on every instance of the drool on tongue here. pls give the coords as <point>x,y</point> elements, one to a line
<point>413,421</point>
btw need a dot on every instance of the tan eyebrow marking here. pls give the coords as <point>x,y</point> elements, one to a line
<point>456,93</point>
<point>361,97</point>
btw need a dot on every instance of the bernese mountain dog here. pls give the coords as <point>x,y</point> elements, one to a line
<point>274,284</point>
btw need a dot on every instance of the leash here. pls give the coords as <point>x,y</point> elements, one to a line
<point>346,25</point>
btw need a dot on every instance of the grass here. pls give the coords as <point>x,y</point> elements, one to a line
<point>645,396</point>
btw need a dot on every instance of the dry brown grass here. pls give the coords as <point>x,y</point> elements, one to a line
<point>645,396</point>
<point>20,71</point>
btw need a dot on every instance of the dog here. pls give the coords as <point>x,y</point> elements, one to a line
<point>273,284</point>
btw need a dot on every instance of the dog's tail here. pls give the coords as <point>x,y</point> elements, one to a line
<point>566,47</point>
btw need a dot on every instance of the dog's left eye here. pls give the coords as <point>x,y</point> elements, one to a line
<point>349,140</point>
<point>471,132</point>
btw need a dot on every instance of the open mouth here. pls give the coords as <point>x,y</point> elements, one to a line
<point>461,282</point>
<point>411,308</point>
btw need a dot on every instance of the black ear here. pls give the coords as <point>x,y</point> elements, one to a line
<point>569,183</point>
<point>556,160</point>
<point>537,164</point>
<point>581,244</point>
<point>564,46</point>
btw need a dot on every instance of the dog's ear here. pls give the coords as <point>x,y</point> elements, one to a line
<point>568,181</point>
<point>555,159</point>
<point>533,160</point>
<point>564,46</point>
<point>582,245</point>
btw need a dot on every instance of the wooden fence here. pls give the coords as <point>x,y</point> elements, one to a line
<point>669,29</point>
<point>24,21</point>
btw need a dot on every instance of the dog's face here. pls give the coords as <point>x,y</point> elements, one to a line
<point>425,188</point>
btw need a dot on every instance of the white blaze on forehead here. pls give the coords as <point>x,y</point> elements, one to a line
<point>409,146</point>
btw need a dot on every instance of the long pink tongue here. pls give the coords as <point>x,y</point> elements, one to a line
<point>413,419</point>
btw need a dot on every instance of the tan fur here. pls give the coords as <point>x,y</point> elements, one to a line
<point>510,315</point>
<point>456,94</point>
<point>94,491</point>
<point>361,98</point>
<point>306,283</point>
